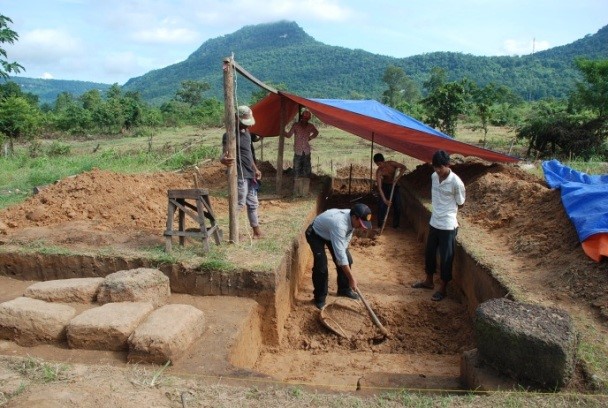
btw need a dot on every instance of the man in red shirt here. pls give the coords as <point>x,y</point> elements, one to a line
<point>304,132</point>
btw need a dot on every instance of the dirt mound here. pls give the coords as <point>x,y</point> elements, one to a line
<point>520,211</point>
<point>111,201</point>
<point>354,171</point>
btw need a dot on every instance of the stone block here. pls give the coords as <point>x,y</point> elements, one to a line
<point>135,285</point>
<point>28,322</point>
<point>534,344</point>
<point>107,327</point>
<point>76,290</point>
<point>475,375</point>
<point>166,334</point>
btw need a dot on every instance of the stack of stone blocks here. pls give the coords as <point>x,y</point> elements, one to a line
<point>129,311</point>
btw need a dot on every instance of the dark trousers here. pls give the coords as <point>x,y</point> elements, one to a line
<point>395,207</point>
<point>319,268</point>
<point>444,242</point>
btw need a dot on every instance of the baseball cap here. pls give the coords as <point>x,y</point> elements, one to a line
<point>363,214</point>
<point>246,115</point>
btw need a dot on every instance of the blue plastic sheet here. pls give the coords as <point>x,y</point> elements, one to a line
<point>584,197</point>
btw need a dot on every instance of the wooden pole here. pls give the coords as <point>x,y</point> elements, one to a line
<point>230,123</point>
<point>371,165</point>
<point>350,179</point>
<point>279,180</point>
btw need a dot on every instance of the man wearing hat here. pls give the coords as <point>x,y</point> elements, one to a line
<point>334,229</point>
<point>247,172</point>
<point>304,132</point>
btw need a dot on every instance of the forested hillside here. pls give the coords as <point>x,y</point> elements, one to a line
<point>283,54</point>
<point>48,89</point>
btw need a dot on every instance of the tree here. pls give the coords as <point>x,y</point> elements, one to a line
<point>17,118</point>
<point>132,109</point>
<point>91,99</point>
<point>484,100</point>
<point>7,36</point>
<point>10,88</point>
<point>593,94</point>
<point>401,88</point>
<point>191,92</point>
<point>444,103</point>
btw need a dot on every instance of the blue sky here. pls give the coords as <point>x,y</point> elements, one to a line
<point>110,41</point>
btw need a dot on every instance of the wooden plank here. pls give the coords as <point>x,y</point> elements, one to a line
<point>192,193</point>
<point>253,79</point>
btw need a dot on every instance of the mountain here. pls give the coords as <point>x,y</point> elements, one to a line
<point>48,89</point>
<point>282,53</point>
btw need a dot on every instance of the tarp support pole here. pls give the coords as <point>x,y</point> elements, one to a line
<point>230,123</point>
<point>279,179</point>
<point>371,165</point>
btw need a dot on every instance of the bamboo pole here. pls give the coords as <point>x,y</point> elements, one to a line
<point>280,153</point>
<point>230,123</point>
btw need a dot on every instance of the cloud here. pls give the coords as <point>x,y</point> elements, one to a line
<point>46,45</point>
<point>515,47</point>
<point>120,63</point>
<point>164,35</point>
<point>235,14</point>
<point>46,75</point>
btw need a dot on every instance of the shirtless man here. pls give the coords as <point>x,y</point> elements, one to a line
<point>385,176</point>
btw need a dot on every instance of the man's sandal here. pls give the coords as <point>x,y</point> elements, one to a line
<point>421,285</point>
<point>438,296</point>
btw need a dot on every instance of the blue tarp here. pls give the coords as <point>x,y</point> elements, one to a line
<point>584,197</point>
<point>375,109</point>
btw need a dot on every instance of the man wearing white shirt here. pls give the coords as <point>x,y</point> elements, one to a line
<point>447,194</point>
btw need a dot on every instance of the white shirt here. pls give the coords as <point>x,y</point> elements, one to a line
<point>335,225</point>
<point>445,199</point>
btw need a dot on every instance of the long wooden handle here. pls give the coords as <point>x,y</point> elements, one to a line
<point>372,314</point>
<point>396,178</point>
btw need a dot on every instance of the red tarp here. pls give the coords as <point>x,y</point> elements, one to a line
<point>413,142</point>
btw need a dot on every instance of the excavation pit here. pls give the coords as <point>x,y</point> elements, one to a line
<point>260,323</point>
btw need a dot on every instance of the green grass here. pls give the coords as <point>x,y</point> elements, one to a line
<point>38,370</point>
<point>176,148</point>
<point>21,172</point>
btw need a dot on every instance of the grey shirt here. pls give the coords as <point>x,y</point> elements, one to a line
<point>335,225</point>
<point>244,154</point>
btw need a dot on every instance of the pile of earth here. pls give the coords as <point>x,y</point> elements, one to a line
<point>520,215</point>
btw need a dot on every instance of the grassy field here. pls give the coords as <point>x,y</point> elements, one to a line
<point>44,161</point>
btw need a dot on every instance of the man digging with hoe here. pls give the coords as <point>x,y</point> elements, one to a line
<point>334,229</point>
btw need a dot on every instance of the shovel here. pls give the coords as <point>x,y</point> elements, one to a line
<point>372,314</point>
<point>390,200</point>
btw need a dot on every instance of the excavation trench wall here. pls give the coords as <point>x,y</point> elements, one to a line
<point>274,291</point>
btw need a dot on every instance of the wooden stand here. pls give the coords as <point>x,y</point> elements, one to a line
<point>201,209</point>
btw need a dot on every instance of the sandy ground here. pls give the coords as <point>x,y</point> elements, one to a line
<point>514,219</point>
